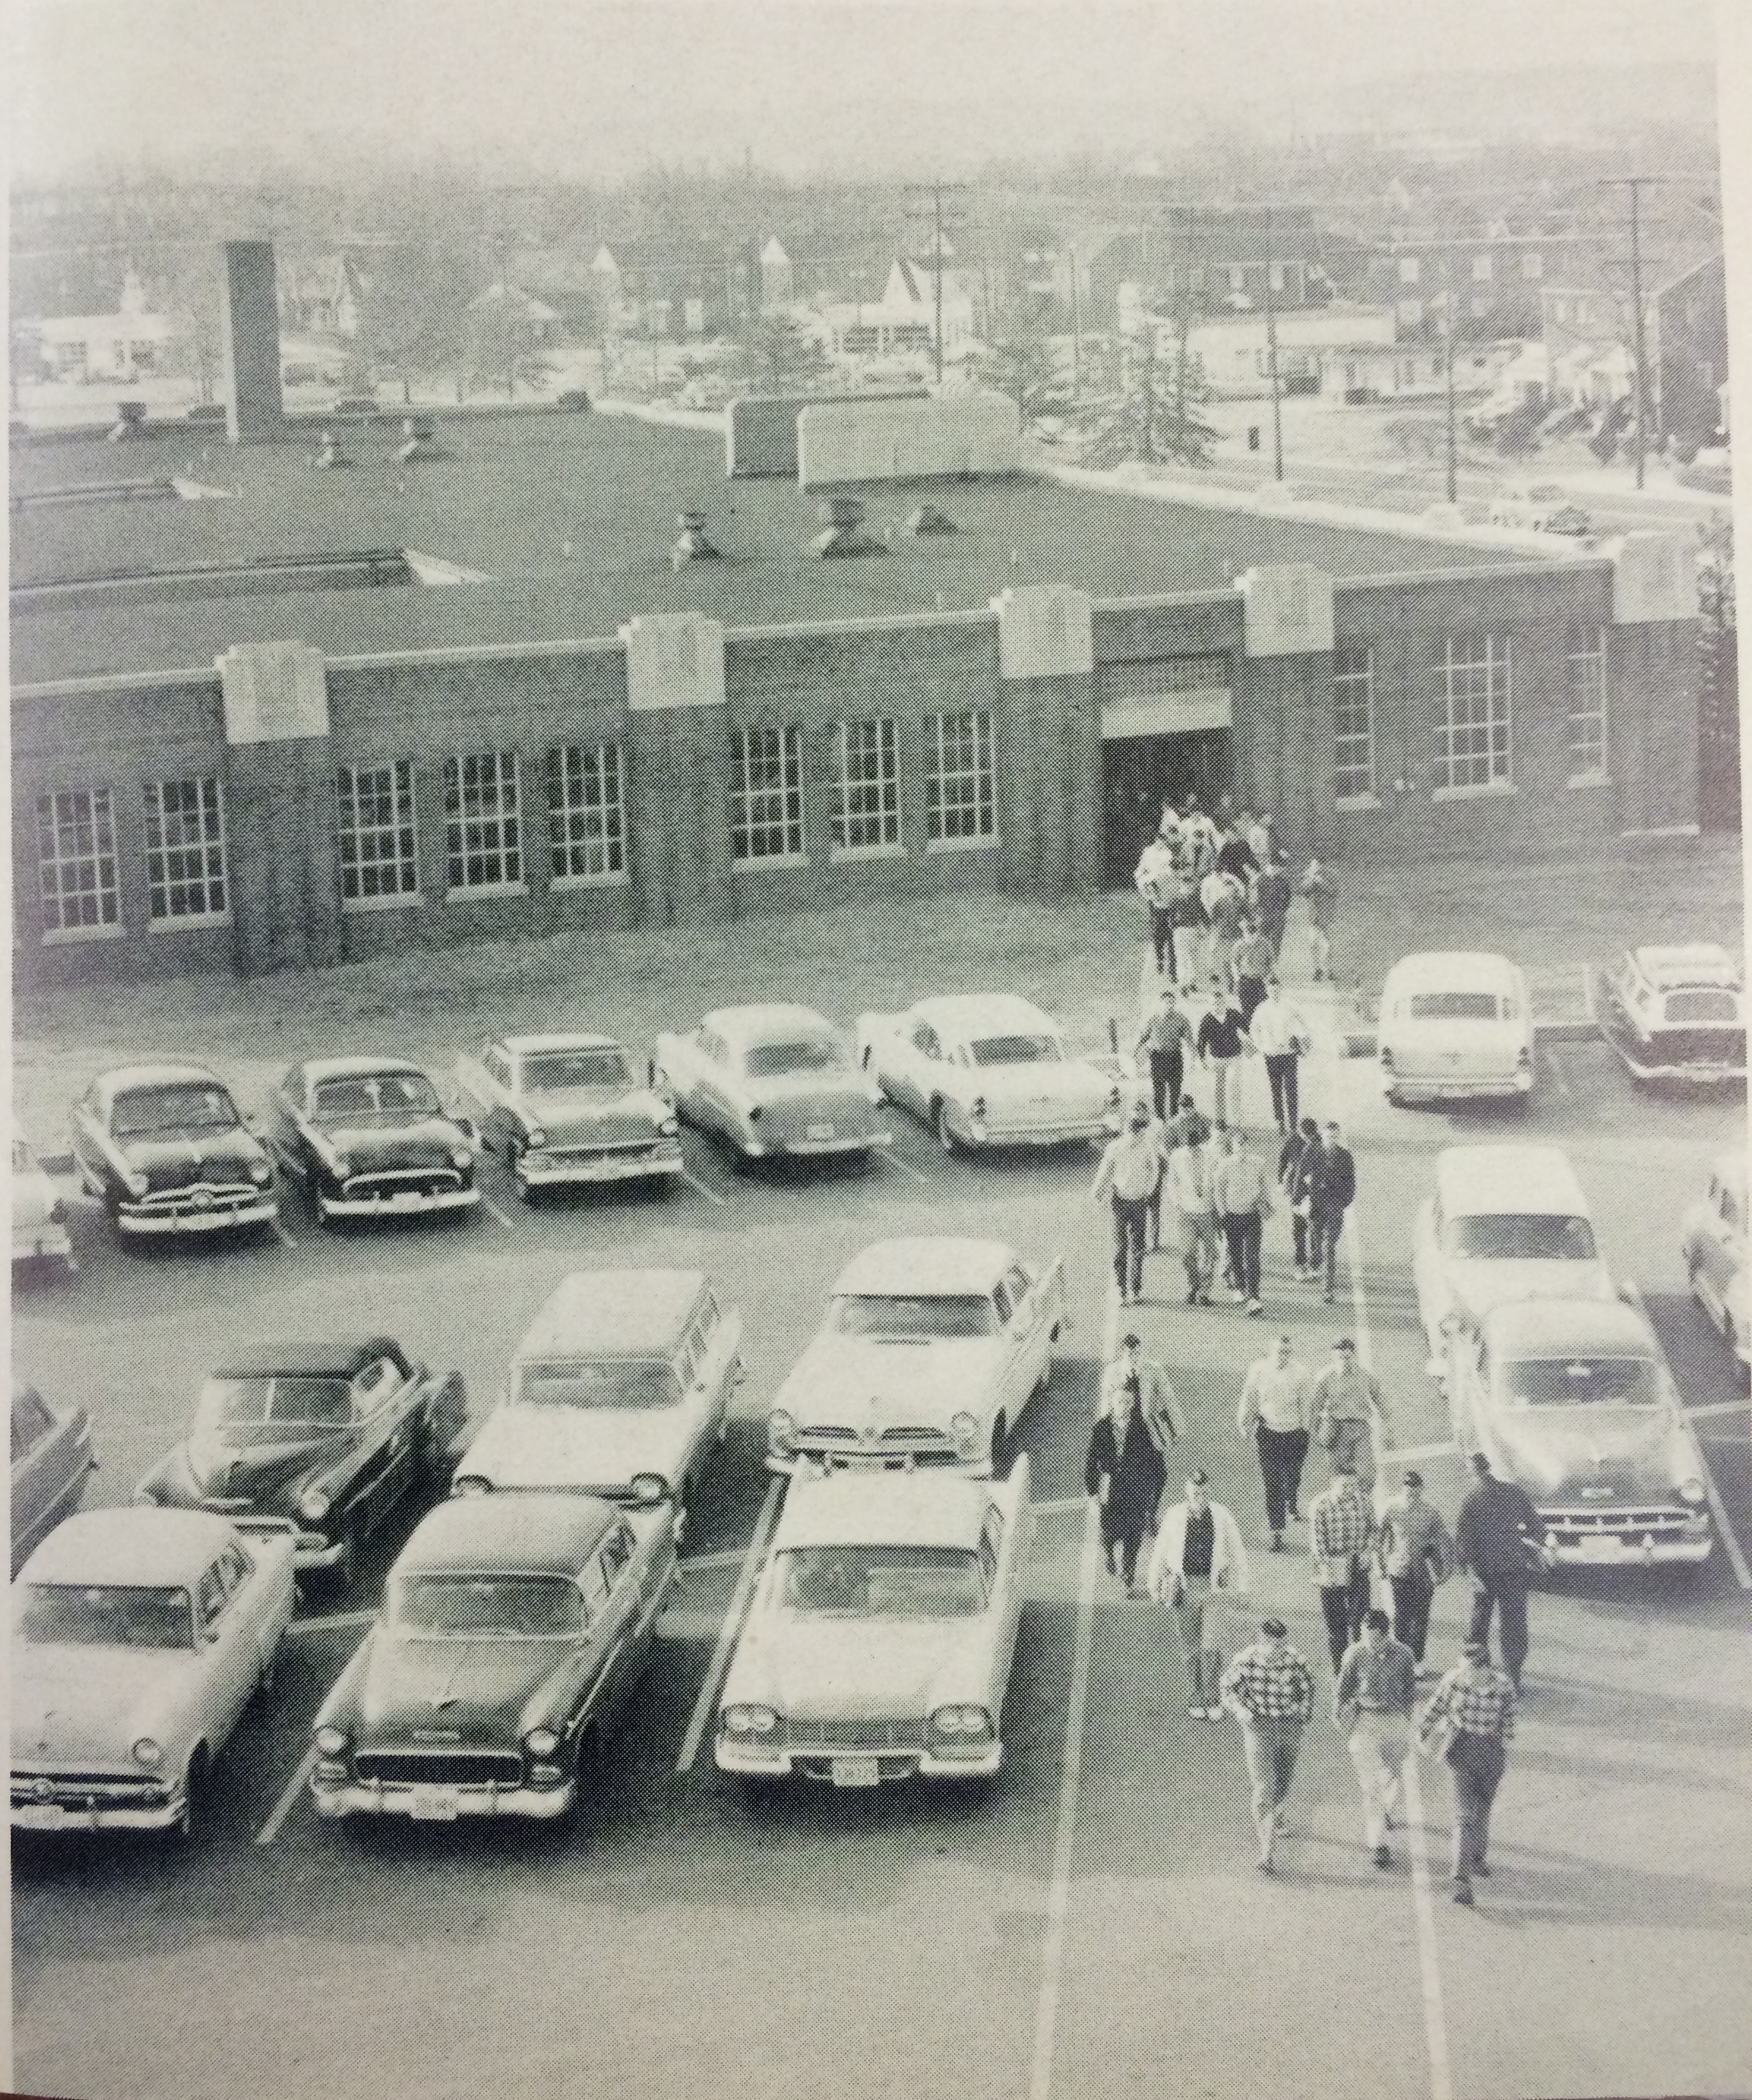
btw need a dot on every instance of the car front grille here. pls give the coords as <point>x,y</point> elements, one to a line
<point>439,1767</point>
<point>616,1135</point>
<point>1632,1525</point>
<point>80,1789</point>
<point>199,1198</point>
<point>907,1733</point>
<point>915,1433</point>
<point>419,1180</point>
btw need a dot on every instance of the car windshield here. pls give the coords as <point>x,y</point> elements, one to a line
<point>486,1607</point>
<point>64,1615</point>
<point>1015,1050</point>
<point>560,1072</point>
<point>1452,1006</point>
<point>374,1094</point>
<point>881,1582</point>
<point>610,1383</point>
<point>813,1053</point>
<point>1690,1008</point>
<point>1581,1382</point>
<point>1531,1235</point>
<point>150,1110</point>
<point>913,1319</point>
<point>232,1409</point>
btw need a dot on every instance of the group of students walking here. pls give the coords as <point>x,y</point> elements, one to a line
<point>1198,1567</point>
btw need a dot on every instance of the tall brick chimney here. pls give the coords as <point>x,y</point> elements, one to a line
<point>254,411</point>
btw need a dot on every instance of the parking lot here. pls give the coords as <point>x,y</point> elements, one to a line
<point>1092,1922</point>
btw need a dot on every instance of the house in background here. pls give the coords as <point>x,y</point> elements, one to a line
<point>129,344</point>
<point>1234,349</point>
<point>1686,340</point>
<point>319,295</point>
<point>904,317</point>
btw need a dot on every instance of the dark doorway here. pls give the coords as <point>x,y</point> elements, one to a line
<point>1138,773</point>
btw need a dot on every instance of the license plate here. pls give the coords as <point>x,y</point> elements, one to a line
<point>40,1815</point>
<point>817,1133</point>
<point>856,1771</point>
<point>1607,1548</point>
<point>435,1804</point>
<point>406,1199</point>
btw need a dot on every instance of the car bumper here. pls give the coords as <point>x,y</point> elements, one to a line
<point>997,1137</point>
<point>42,1243</point>
<point>890,1764</point>
<point>543,1804</point>
<point>94,1814</point>
<point>818,1463</point>
<point>1691,1548</point>
<point>405,1203</point>
<point>167,1225</point>
<point>813,1148</point>
<point>1456,1086</point>
<point>541,1172</point>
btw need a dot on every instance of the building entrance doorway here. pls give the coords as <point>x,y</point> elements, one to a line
<point>1140,772</point>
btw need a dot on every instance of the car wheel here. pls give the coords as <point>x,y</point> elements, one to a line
<point>940,1122</point>
<point>193,1819</point>
<point>519,1180</point>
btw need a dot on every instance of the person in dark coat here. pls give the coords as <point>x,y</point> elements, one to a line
<point>1500,1540</point>
<point>1124,1471</point>
<point>1272,894</point>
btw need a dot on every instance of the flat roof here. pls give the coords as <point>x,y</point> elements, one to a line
<point>524,1533</point>
<point>933,1507</point>
<point>571,518</point>
<point>1548,1327</point>
<point>923,1268</point>
<point>153,1548</point>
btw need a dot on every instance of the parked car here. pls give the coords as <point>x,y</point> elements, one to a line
<point>355,405</point>
<point>621,1388</point>
<point>879,1642</point>
<point>1572,1398</point>
<point>39,1217</point>
<point>51,1462</point>
<point>770,1080</point>
<point>929,1352</point>
<point>1541,507</point>
<point>1455,1026</point>
<point>329,1438</point>
<point>1505,1222</point>
<point>204,411</point>
<point>567,1108</point>
<point>1675,1013</point>
<point>139,1637</point>
<point>511,1634</point>
<point>368,1138</point>
<point>987,1069</point>
<point>1714,1248</point>
<point>165,1150</point>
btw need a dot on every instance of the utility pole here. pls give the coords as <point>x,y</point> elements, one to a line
<point>1271,361</point>
<point>1635,184</point>
<point>1454,474</point>
<point>939,221</point>
<point>1076,331</point>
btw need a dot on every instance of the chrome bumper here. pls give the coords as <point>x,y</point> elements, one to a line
<point>540,1169</point>
<point>42,1243</point>
<point>91,1813</point>
<point>396,1204</point>
<point>817,1764</point>
<point>361,1798</point>
<point>170,1222</point>
<point>1608,1549</point>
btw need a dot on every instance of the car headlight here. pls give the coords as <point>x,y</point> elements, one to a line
<point>313,1504</point>
<point>749,1721</point>
<point>261,1173</point>
<point>781,1431</point>
<point>472,1483</point>
<point>669,1127</point>
<point>649,1488</point>
<point>343,1167</point>
<point>332,1742</point>
<point>541,1742</point>
<point>965,1430</point>
<point>977,1112</point>
<point>149,1753</point>
<point>966,1724</point>
<point>1694,1492</point>
<point>137,1184</point>
<point>535,1135</point>
<point>460,1158</point>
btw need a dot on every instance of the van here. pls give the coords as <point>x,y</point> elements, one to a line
<point>1455,1026</point>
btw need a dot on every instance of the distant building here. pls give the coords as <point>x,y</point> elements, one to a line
<point>1203,260</point>
<point>1235,351</point>
<point>1496,278</point>
<point>320,295</point>
<point>904,317</point>
<point>670,290</point>
<point>538,321</point>
<point>127,345</point>
<point>1083,275</point>
<point>1686,332</point>
<point>778,280</point>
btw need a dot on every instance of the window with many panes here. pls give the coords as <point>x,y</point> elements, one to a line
<point>1585,663</point>
<point>1472,746</point>
<point>1354,724</point>
<point>76,860</point>
<point>587,825</point>
<point>483,835</point>
<point>378,863</point>
<point>961,787</point>
<point>185,850</point>
<point>866,788</point>
<point>766,794</point>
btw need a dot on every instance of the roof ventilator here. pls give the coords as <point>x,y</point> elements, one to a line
<point>693,545</point>
<point>842,517</point>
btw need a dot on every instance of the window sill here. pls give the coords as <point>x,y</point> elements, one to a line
<point>1492,790</point>
<point>769,860</point>
<point>71,937</point>
<point>486,890</point>
<point>1370,802</point>
<point>613,882</point>
<point>409,900</point>
<point>1589,780</point>
<point>189,922</point>
<point>895,852</point>
<point>960,845</point>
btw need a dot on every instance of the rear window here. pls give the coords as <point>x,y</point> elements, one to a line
<point>1453,1006</point>
<point>773,1060</point>
<point>1015,1050</point>
<point>611,1383</point>
<point>1533,1236</point>
<point>913,1319</point>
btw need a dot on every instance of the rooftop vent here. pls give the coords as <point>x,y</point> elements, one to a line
<point>927,520</point>
<point>693,545</point>
<point>328,451</point>
<point>842,535</point>
<point>130,421</point>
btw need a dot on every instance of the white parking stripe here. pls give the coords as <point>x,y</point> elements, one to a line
<point>340,1621</point>
<point>282,1235</point>
<point>1548,1059</point>
<point>711,1195</point>
<point>283,1807</point>
<point>492,1210</point>
<point>733,1621</point>
<point>1712,1408</point>
<point>1446,1450</point>
<point>899,1166</point>
<point>702,1563</point>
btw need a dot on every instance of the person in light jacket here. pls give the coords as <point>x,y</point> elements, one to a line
<point>1198,1555</point>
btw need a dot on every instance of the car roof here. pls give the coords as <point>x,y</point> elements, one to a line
<point>776,1022</point>
<point>135,1546</point>
<point>923,1268</point>
<point>984,1012</point>
<point>1490,1179</point>
<point>1451,967</point>
<point>125,1078</point>
<point>340,1356</point>
<point>527,1046</point>
<point>930,1507</point>
<point>315,1069</point>
<point>615,1312</point>
<point>1569,1327</point>
<point>1688,963</point>
<point>533,1534</point>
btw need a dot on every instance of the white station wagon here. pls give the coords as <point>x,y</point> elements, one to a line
<point>929,1352</point>
<point>985,1070</point>
<point>1456,1026</point>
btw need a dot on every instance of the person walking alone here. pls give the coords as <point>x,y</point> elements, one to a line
<point>1251,961</point>
<point>1272,894</point>
<point>1470,1722</point>
<point>1319,895</point>
<point>1281,1036</point>
<point>1341,1532</point>
<point>1224,898</point>
<point>1241,1193</point>
<point>1331,1177</point>
<point>1293,1179</point>
<point>1499,1541</point>
<point>1417,1555</point>
<point>1350,1413</point>
<point>1372,1706</point>
<point>1269,1688</point>
<point>1198,1556</point>
<point>1151,1393</point>
<point>1126,1178</point>
<point>1188,1185</point>
<point>1123,1470</point>
<point>1223,1042</point>
<point>1277,1398</point>
<point>1166,1033</point>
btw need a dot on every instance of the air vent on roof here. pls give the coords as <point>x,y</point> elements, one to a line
<point>693,545</point>
<point>843,517</point>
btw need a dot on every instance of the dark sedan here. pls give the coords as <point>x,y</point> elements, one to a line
<point>51,1460</point>
<point>329,1438</point>
<point>367,1138</point>
<point>513,1628</point>
<point>165,1149</point>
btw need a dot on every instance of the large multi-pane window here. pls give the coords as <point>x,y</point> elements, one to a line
<point>1472,746</point>
<point>1585,662</point>
<point>961,787</point>
<point>483,838</point>
<point>378,863</point>
<point>185,850</point>
<point>587,825</point>
<point>76,860</point>
<point>766,794</point>
<point>866,788</point>
<point>1354,724</point>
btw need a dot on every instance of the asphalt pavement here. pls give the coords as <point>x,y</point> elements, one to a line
<point>1091,1922</point>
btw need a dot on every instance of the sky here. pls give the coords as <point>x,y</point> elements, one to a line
<point>574,87</point>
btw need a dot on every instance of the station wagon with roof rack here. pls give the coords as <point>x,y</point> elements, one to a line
<point>1676,1014</point>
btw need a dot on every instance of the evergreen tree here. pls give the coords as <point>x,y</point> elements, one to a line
<point>1144,406</point>
<point>777,354</point>
<point>1020,360</point>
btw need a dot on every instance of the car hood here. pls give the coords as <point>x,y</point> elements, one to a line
<point>484,1691</point>
<point>578,1111</point>
<point>75,1706</point>
<point>578,1448</point>
<point>423,1140</point>
<point>836,1669</point>
<point>268,1477</point>
<point>1620,1454</point>
<point>173,1162</point>
<point>1481,1286</point>
<point>843,1377</point>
